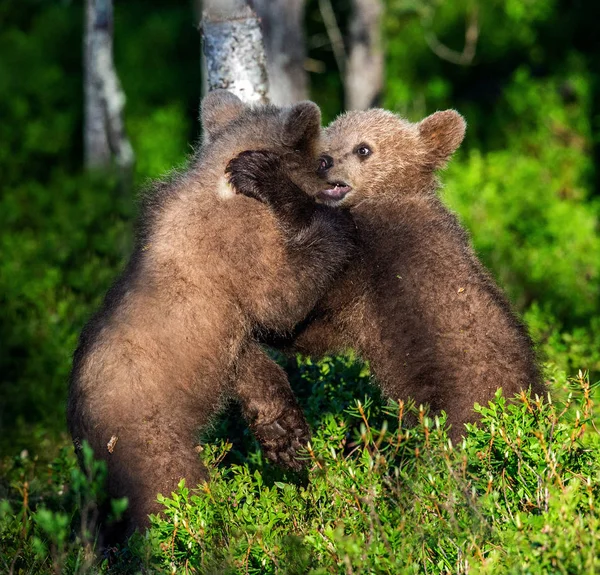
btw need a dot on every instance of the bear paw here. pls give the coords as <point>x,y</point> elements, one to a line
<point>282,438</point>
<point>251,173</point>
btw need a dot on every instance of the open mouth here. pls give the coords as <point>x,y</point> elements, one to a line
<point>336,192</point>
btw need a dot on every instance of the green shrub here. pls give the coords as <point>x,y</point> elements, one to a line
<point>61,245</point>
<point>563,349</point>
<point>378,497</point>
<point>527,205</point>
<point>397,500</point>
<point>48,512</point>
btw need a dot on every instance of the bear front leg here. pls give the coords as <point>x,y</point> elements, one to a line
<point>260,175</point>
<point>270,407</point>
<point>322,238</point>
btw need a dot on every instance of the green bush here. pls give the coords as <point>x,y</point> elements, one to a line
<point>48,512</point>
<point>527,206</point>
<point>518,494</point>
<point>61,244</point>
<point>396,500</point>
<point>565,349</point>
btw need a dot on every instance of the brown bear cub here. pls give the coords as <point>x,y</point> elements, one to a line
<point>211,267</point>
<point>417,303</point>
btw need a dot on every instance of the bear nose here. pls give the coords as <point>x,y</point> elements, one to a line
<point>325,163</point>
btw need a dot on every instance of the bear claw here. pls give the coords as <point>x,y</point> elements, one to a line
<point>250,172</point>
<point>282,438</point>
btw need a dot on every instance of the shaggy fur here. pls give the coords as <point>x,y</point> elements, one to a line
<point>417,304</point>
<point>211,266</point>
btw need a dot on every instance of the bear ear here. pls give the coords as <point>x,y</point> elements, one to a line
<point>302,125</point>
<point>442,133</point>
<point>219,108</point>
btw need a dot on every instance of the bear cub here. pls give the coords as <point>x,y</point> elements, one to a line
<point>417,303</point>
<point>210,268</point>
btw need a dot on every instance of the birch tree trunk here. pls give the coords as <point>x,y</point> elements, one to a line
<point>281,23</point>
<point>104,132</point>
<point>233,48</point>
<point>363,80</point>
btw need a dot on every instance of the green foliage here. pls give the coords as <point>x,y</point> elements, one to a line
<point>48,512</point>
<point>40,95</point>
<point>158,139</point>
<point>64,236</point>
<point>563,349</point>
<point>528,205</point>
<point>509,36</point>
<point>378,496</point>
<point>61,244</point>
<point>394,499</point>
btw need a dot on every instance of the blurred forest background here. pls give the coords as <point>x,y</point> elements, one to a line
<point>526,182</point>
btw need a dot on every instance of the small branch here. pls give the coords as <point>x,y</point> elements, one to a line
<point>335,36</point>
<point>464,58</point>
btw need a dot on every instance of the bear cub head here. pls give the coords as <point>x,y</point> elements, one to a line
<point>231,127</point>
<point>375,155</point>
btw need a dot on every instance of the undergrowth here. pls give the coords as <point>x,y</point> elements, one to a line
<point>518,495</point>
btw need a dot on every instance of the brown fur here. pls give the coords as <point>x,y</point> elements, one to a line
<point>417,304</point>
<point>210,268</point>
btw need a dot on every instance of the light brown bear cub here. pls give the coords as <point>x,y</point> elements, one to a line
<point>210,268</point>
<point>417,304</point>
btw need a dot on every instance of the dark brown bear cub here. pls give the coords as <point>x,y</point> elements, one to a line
<point>417,304</point>
<point>211,266</point>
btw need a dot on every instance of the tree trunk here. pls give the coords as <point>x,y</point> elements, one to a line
<point>233,48</point>
<point>104,132</point>
<point>282,28</point>
<point>364,69</point>
<point>96,148</point>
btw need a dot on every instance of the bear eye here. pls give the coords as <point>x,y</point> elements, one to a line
<point>325,163</point>
<point>363,150</point>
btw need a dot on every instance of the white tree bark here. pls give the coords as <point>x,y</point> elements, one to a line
<point>364,75</point>
<point>233,48</point>
<point>104,132</point>
<point>281,23</point>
